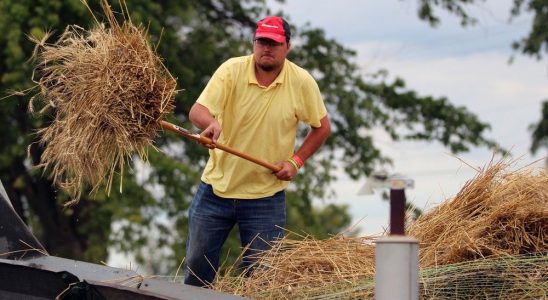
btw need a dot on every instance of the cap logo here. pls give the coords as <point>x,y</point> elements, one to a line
<point>269,26</point>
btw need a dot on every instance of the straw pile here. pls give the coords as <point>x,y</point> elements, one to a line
<point>108,90</point>
<point>497,214</point>
<point>295,269</point>
<point>487,242</point>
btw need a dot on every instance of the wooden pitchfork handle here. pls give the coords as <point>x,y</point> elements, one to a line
<point>206,140</point>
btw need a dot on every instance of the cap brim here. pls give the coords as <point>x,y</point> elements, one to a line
<point>272,36</point>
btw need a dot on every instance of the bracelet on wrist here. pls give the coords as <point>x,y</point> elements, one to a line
<point>297,160</point>
<point>294,163</point>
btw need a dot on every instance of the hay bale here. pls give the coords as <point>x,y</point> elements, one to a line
<point>491,236</point>
<point>108,91</point>
<point>507,277</point>
<point>300,269</point>
<point>498,213</point>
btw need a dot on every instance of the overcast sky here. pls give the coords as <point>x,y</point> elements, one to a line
<point>469,66</point>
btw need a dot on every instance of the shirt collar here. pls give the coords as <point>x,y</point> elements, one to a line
<point>252,79</point>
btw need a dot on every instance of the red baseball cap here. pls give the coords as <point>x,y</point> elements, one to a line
<point>274,28</point>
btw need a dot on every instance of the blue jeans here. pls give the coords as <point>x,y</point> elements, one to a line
<point>211,218</point>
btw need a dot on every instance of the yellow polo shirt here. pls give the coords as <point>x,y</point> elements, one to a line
<point>258,120</point>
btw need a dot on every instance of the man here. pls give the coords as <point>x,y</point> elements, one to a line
<point>254,104</point>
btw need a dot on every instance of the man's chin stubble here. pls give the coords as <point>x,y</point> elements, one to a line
<point>266,68</point>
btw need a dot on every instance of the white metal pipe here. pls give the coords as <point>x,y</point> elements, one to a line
<point>396,268</point>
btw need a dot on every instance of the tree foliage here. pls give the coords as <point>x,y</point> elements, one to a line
<point>540,130</point>
<point>194,37</point>
<point>457,7</point>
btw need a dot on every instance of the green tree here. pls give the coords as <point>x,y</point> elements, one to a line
<point>540,130</point>
<point>151,213</point>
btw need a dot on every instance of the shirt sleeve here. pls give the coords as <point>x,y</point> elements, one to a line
<point>214,96</point>
<point>312,108</point>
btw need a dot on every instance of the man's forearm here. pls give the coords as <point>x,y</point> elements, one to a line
<point>315,138</point>
<point>200,116</point>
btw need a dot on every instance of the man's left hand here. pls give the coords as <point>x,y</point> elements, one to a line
<point>287,173</point>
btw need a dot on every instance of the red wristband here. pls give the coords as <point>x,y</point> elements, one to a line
<point>298,160</point>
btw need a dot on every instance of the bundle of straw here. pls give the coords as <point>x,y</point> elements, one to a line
<point>487,242</point>
<point>109,90</point>
<point>498,213</point>
<point>299,269</point>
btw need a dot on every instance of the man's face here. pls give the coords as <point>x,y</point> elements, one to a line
<point>269,54</point>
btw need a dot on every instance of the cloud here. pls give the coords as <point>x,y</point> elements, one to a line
<point>484,83</point>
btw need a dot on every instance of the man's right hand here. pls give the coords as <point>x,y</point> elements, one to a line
<point>202,118</point>
<point>212,131</point>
